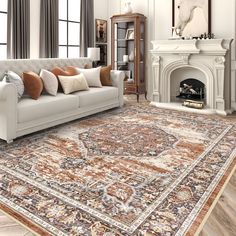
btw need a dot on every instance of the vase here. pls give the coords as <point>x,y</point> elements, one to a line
<point>128,8</point>
<point>131,56</point>
<point>125,58</point>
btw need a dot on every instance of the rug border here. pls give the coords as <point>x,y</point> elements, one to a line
<point>194,229</point>
<point>23,221</point>
<point>205,212</point>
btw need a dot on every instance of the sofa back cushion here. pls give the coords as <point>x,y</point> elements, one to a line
<point>33,84</point>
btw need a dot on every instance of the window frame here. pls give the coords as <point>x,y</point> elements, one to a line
<point>67,45</point>
<point>4,43</point>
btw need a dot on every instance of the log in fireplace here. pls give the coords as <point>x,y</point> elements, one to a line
<point>192,89</point>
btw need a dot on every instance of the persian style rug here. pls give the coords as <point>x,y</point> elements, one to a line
<point>133,171</point>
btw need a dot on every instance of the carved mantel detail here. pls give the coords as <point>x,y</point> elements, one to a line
<point>220,60</point>
<point>185,58</point>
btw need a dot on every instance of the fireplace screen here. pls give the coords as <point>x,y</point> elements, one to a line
<point>192,89</point>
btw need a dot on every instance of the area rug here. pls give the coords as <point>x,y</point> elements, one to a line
<point>133,171</point>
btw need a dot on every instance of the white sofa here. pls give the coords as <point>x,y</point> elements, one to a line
<point>28,115</point>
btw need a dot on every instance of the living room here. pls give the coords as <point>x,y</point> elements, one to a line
<point>117,117</point>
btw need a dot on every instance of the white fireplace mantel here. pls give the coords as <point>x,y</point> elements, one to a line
<point>212,57</point>
<point>210,47</point>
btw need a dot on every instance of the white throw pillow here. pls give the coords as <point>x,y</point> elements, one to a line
<point>50,82</point>
<point>74,83</point>
<point>12,77</point>
<point>92,76</point>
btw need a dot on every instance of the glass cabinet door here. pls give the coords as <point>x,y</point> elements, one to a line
<point>124,52</point>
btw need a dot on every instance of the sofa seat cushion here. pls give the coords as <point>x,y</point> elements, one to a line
<point>95,96</point>
<point>45,106</point>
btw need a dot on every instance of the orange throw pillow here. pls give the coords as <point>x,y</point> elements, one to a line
<point>59,71</point>
<point>33,84</point>
<point>71,70</point>
<point>105,76</point>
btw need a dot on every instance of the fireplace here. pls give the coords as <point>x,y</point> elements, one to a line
<point>192,70</point>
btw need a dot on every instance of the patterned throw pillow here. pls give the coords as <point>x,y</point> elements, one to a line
<point>50,82</point>
<point>74,83</point>
<point>12,77</point>
<point>33,84</point>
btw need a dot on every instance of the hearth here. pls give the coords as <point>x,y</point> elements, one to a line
<point>191,89</point>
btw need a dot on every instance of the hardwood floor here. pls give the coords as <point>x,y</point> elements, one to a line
<point>222,221</point>
<point>9,227</point>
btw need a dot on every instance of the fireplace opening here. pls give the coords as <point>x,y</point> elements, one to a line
<point>191,89</point>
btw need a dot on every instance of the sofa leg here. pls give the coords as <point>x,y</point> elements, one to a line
<point>10,141</point>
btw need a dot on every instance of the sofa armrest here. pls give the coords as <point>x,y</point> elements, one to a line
<point>8,111</point>
<point>117,78</point>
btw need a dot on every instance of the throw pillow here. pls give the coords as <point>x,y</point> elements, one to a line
<point>71,70</point>
<point>88,66</point>
<point>33,84</point>
<point>92,76</point>
<point>59,71</point>
<point>105,76</point>
<point>74,83</point>
<point>50,82</point>
<point>12,77</point>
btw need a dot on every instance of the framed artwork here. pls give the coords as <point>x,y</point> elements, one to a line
<point>129,34</point>
<point>192,17</point>
<point>101,31</point>
<point>103,54</point>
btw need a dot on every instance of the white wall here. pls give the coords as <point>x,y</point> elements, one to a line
<point>34,28</point>
<point>159,22</point>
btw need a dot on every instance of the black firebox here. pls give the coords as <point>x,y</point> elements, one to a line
<point>192,89</point>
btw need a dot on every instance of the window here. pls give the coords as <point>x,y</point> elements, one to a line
<point>3,27</point>
<point>69,28</point>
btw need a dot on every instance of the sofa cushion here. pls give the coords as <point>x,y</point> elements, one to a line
<point>96,96</point>
<point>45,106</point>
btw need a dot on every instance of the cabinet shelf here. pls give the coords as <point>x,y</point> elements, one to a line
<point>122,62</point>
<point>123,40</point>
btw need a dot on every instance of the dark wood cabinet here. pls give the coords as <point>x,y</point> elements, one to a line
<point>128,50</point>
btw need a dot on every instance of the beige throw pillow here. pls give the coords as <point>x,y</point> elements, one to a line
<point>50,82</point>
<point>74,83</point>
<point>92,76</point>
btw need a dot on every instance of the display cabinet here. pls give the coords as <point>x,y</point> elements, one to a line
<point>128,50</point>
